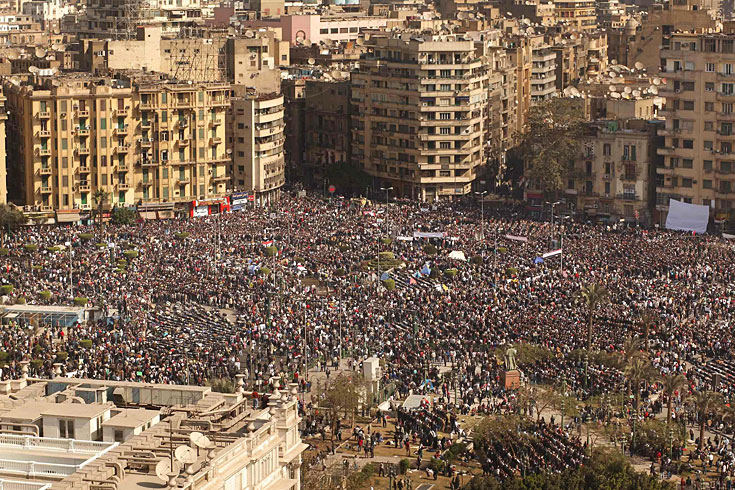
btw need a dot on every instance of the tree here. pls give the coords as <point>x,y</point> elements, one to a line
<point>631,349</point>
<point>592,295</point>
<point>10,218</point>
<point>551,140</point>
<point>647,321</point>
<point>706,403</point>
<point>98,199</point>
<point>122,216</point>
<point>341,396</point>
<point>672,384</point>
<point>638,371</point>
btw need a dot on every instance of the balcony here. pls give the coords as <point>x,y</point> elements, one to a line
<point>215,141</point>
<point>182,180</point>
<point>46,209</point>
<point>148,163</point>
<point>667,150</point>
<point>122,112</point>
<point>184,142</point>
<point>145,124</point>
<point>727,97</point>
<point>83,131</point>
<point>84,169</point>
<point>220,178</point>
<point>123,186</point>
<point>44,152</point>
<point>121,130</point>
<point>45,189</point>
<point>183,123</point>
<point>146,142</point>
<point>44,115</point>
<point>216,122</point>
<point>82,113</point>
<point>223,102</point>
<point>84,187</point>
<point>122,167</point>
<point>45,171</point>
<point>123,148</point>
<point>44,133</point>
<point>146,183</point>
<point>82,150</point>
<point>148,104</point>
<point>627,197</point>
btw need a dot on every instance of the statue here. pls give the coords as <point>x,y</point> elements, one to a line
<point>510,359</point>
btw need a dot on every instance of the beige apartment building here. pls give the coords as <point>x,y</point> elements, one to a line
<point>417,114</point>
<point>137,137</point>
<point>577,14</point>
<point>698,156</point>
<point>256,135</point>
<point>613,176</point>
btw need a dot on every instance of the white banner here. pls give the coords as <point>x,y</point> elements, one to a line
<point>200,211</point>
<point>551,254</point>
<point>687,217</point>
<point>517,238</point>
<point>428,234</point>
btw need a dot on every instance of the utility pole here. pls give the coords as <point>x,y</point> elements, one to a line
<point>71,269</point>
<point>386,189</point>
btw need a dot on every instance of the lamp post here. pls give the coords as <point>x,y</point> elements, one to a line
<point>552,204</point>
<point>387,190</point>
<point>482,220</point>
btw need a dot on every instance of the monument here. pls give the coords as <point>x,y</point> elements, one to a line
<point>511,375</point>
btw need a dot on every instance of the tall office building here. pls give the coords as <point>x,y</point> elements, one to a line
<point>417,114</point>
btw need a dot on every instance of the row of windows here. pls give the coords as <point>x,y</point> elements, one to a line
<point>338,30</point>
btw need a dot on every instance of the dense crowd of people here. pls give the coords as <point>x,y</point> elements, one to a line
<point>206,298</point>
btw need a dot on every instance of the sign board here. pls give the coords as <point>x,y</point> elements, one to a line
<point>332,189</point>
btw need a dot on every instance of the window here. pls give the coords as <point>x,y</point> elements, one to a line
<point>606,149</point>
<point>725,186</point>
<point>323,31</point>
<point>334,30</point>
<point>685,182</point>
<point>688,144</point>
<point>709,126</point>
<point>707,184</point>
<point>709,86</point>
<point>688,105</point>
<point>708,106</point>
<point>119,433</point>
<point>66,427</point>
<point>708,145</point>
<point>707,165</point>
<point>687,86</point>
<point>445,116</point>
<point>103,123</point>
<point>710,67</point>
<point>687,163</point>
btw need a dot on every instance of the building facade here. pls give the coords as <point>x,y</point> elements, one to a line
<point>417,120</point>
<point>137,139</point>
<point>256,136</point>
<point>698,157</point>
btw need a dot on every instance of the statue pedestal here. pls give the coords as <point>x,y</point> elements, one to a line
<point>511,379</point>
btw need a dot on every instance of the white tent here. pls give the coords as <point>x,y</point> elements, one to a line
<point>687,217</point>
<point>458,255</point>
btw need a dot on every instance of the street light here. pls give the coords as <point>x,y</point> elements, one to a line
<point>552,204</point>
<point>387,190</point>
<point>482,233</point>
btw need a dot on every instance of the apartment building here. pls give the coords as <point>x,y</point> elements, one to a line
<point>3,154</point>
<point>501,111</point>
<point>699,159</point>
<point>577,14</point>
<point>543,73</point>
<point>255,133</point>
<point>136,137</point>
<point>613,177</point>
<point>255,60</point>
<point>417,110</point>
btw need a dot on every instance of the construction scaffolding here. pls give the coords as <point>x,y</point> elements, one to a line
<point>197,59</point>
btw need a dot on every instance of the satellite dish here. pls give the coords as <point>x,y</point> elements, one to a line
<point>611,74</point>
<point>653,90</point>
<point>163,469</point>
<point>639,66</point>
<point>307,42</point>
<point>185,455</point>
<point>656,81</point>
<point>336,74</point>
<point>612,88</point>
<point>627,90</point>
<point>195,437</point>
<point>615,95</point>
<point>360,41</point>
<point>311,61</point>
<point>34,69</point>
<point>250,34</point>
<point>40,52</point>
<point>636,93</point>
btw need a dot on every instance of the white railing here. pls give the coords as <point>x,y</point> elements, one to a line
<point>51,443</point>
<point>33,469</point>
<point>22,485</point>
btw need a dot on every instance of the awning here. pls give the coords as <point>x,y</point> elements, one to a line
<point>67,217</point>
<point>166,214</point>
<point>147,215</point>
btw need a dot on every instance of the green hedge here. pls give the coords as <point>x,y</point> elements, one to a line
<point>264,271</point>
<point>181,235</point>
<point>20,300</point>
<point>340,272</point>
<point>62,356</point>
<point>4,252</point>
<point>502,250</point>
<point>450,273</point>
<point>270,251</point>
<point>100,245</point>
<point>80,301</point>
<point>55,248</point>
<point>387,256</point>
<point>30,247</point>
<point>37,267</point>
<point>476,260</point>
<point>403,466</point>
<point>86,236</point>
<point>511,271</point>
<point>45,295</point>
<point>430,249</point>
<point>389,284</point>
<point>86,343</point>
<point>37,363</point>
<point>131,254</point>
<point>6,289</point>
<point>386,240</point>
